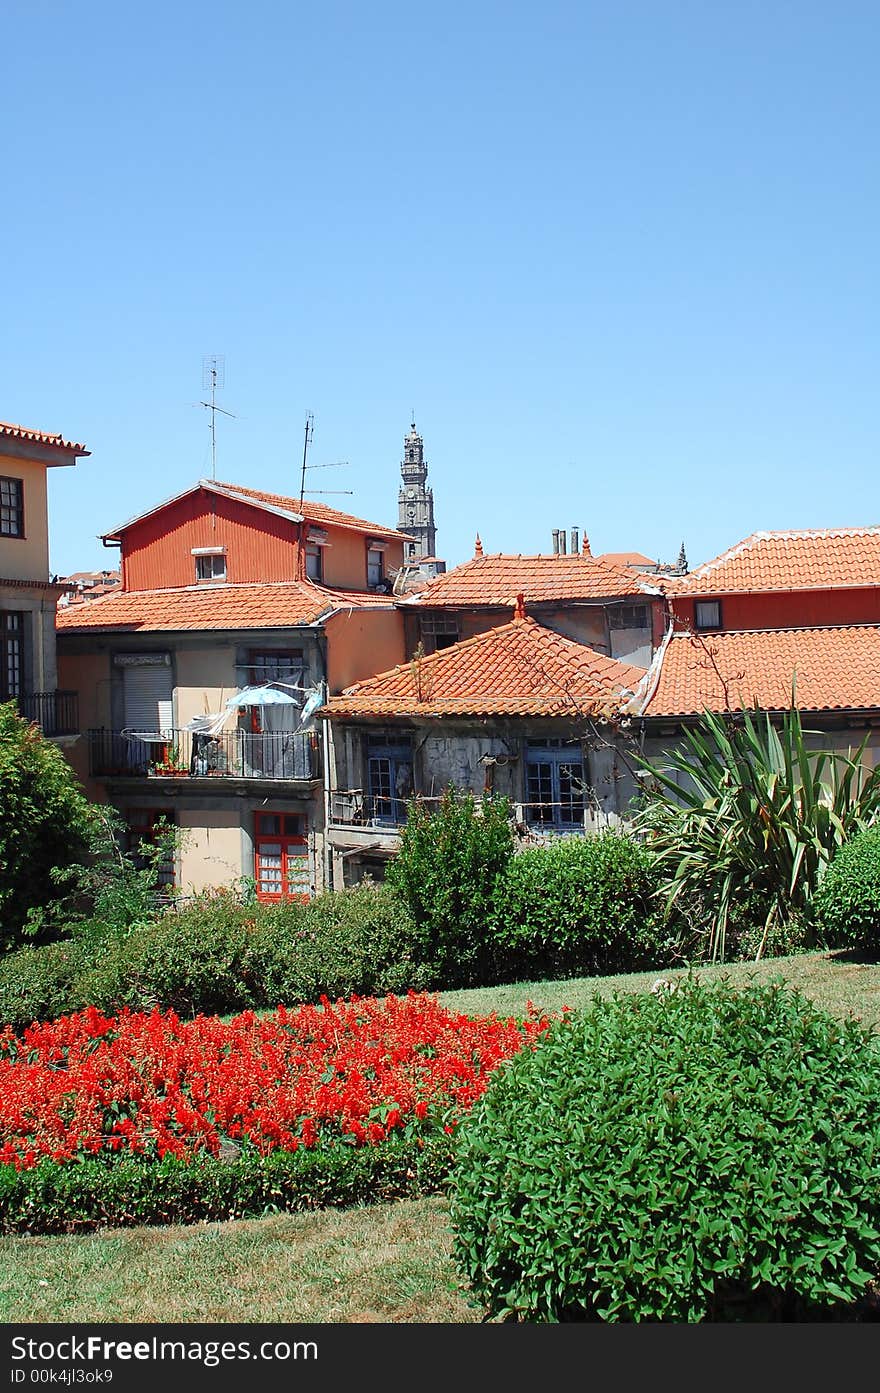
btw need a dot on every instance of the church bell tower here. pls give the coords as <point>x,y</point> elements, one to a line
<point>416,501</point>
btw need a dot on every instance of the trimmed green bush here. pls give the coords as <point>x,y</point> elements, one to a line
<point>219,956</point>
<point>445,872</point>
<point>55,1198</point>
<point>695,1154</point>
<point>360,941</point>
<point>38,984</point>
<point>577,906</point>
<point>847,905</point>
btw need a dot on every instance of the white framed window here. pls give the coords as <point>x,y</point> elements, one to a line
<point>211,566</point>
<point>375,567</point>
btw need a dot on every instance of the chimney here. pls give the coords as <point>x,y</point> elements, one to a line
<point>556,541</point>
<point>575,546</point>
<point>562,541</point>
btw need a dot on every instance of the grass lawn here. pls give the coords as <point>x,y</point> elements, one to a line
<point>384,1263</point>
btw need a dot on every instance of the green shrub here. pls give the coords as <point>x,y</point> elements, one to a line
<point>218,955</point>
<point>445,873</point>
<point>54,1198</point>
<point>38,984</point>
<point>698,1153</point>
<point>847,905</point>
<point>46,823</point>
<point>578,905</point>
<point>360,941</point>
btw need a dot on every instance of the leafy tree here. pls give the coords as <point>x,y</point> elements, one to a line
<point>445,872</point>
<point>45,821</point>
<point>743,819</point>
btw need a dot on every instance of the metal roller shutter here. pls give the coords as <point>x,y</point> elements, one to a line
<point>148,693</point>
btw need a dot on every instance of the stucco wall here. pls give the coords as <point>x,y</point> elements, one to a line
<point>27,558</point>
<point>211,848</point>
<point>361,643</point>
<point>205,679</point>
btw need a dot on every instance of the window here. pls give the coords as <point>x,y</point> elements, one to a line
<point>628,617</point>
<point>707,614</point>
<point>375,567</point>
<point>437,631</point>
<point>277,665</point>
<point>555,784</point>
<point>148,825</point>
<point>281,857</point>
<point>314,562</point>
<point>11,630</point>
<point>211,566</point>
<point>11,508</point>
<point>390,777</point>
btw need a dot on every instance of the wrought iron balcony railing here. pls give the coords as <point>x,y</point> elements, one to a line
<point>181,754</point>
<point>56,713</point>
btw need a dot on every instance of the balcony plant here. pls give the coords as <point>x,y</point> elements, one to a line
<point>171,763</point>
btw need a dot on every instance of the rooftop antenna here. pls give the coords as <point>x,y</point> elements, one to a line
<point>334,464</point>
<point>214,376</point>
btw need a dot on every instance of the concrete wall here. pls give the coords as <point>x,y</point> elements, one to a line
<point>27,558</point>
<point>205,679</point>
<point>211,849</point>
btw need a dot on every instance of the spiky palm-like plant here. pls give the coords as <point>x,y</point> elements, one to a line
<point>743,813</point>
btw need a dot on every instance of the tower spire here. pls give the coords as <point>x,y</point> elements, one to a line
<point>415,499</point>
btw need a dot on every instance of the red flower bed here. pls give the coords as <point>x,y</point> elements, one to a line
<point>153,1085</point>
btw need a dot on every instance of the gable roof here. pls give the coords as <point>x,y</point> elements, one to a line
<point>837,669</point>
<point>518,669</point>
<point>54,441</point>
<point>495,581</point>
<point>279,605</point>
<point>818,559</point>
<point>276,503</point>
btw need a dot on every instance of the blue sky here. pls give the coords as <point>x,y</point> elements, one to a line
<point>620,259</point>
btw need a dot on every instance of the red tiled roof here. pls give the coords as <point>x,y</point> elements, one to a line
<point>838,669</point>
<point>496,580</point>
<point>318,513</point>
<point>267,606</point>
<point>41,437</point>
<point>518,669</point>
<point>821,559</point>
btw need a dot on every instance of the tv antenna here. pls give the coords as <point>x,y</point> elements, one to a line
<point>308,437</point>
<point>214,377</point>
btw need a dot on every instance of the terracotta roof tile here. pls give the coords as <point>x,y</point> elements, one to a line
<point>317,513</point>
<point>838,669</point>
<point>279,605</point>
<point>40,437</point>
<point>821,559</point>
<point>518,669</point>
<point>495,581</point>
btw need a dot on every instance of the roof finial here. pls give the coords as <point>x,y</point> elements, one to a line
<point>519,609</point>
<point>478,546</point>
<point>585,546</point>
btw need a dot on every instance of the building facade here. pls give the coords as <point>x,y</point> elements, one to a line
<point>28,596</point>
<point>237,614</point>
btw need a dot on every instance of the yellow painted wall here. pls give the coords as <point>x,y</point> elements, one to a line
<point>210,852</point>
<point>87,674</point>
<point>345,559</point>
<point>27,558</point>
<point>205,680</point>
<point>360,643</point>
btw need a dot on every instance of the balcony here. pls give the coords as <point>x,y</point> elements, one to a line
<point>56,713</point>
<point>181,754</point>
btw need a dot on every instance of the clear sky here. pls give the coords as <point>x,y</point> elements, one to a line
<point>620,259</point>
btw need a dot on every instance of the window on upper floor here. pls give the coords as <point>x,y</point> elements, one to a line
<point>390,776</point>
<point>283,665</point>
<point>707,614</point>
<point>375,566</point>
<point>11,508</point>
<point>628,617</point>
<point>437,631</point>
<point>314,562</point>
<point>211,566</point>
